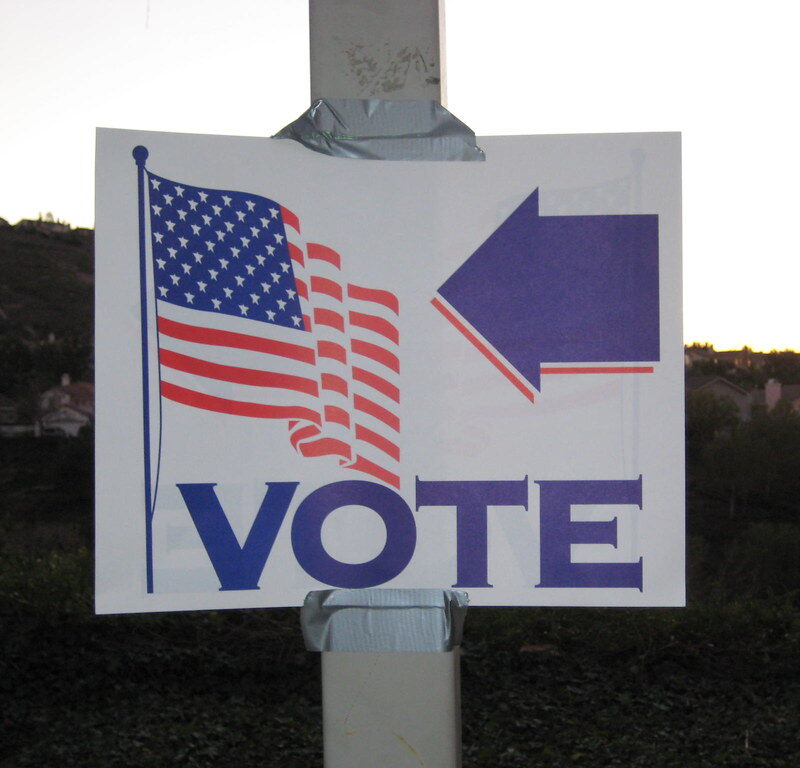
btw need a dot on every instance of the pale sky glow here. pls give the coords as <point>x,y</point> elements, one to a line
<point>725,74</point>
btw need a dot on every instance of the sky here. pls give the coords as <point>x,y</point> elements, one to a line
<point>722,73</point>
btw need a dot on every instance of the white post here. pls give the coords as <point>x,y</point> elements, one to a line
<point>391,710</point>
<point>377,49</point>
<point>390,658</point>
<point>390,675</point>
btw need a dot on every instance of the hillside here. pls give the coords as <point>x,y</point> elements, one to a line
<point>46,283</point>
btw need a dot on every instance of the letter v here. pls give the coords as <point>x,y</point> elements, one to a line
<point>237,567</point>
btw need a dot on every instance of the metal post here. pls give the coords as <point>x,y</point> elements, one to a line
<point>390,663</point>
<point>382,49</point>
<point>390,710</point>
<point>390,675</point>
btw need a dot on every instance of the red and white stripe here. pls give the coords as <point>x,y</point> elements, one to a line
<point>336,386</point>
<point>484,347</point>
<point>357,344</point>
<point>227,368</point>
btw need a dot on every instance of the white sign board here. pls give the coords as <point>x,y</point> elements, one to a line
<point>319,372</point>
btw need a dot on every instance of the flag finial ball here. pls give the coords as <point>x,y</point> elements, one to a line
<point>140,154</point>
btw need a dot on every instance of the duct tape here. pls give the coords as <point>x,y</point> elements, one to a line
<point>383,620</point>
<point>383,129</point>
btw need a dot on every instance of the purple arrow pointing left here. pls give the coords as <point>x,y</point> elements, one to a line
<point>559,289</point>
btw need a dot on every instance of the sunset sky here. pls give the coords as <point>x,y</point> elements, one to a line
<point>724,74</point>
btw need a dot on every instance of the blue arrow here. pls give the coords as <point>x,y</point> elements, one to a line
<point>563,289</point>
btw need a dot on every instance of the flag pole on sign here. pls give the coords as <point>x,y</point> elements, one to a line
<point>272,329</point>
<point>140,155</point>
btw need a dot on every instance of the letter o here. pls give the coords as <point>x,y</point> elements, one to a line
<point>401,534</point>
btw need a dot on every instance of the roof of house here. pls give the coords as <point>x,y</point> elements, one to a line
<point>703,382</point>
<point>78,390</point>
<point>68,412</point>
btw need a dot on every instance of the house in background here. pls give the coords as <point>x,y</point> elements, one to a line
<point>44,225</point>
<point>696,354</point>
<point>67,408</point>
<point>774,392</point>
<point>10,425</point>
<point>721,387</point>
<point>743,359</point>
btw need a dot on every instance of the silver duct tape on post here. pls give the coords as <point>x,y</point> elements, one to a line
<point>383,620</point>
<point>383,129</point>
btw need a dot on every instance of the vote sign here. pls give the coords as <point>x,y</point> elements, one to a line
<point>319,372</point>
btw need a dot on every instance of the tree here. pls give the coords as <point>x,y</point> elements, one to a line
<point>707,415</point>
<point>754,471</point>
<point>68,355</point>
<point>15,365</point>
<point>783,366</point>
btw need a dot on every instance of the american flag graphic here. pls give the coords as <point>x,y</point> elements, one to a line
<point>254,322</point>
